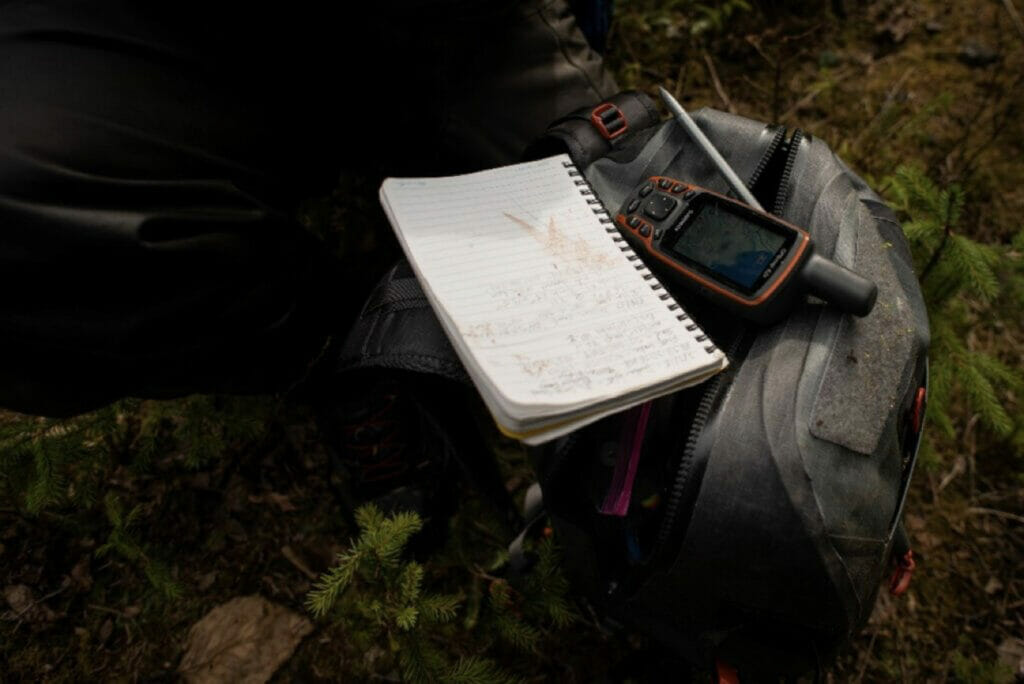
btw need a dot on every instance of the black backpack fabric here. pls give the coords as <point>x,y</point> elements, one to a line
<point>767,500</point>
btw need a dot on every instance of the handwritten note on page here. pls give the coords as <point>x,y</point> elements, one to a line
<point>548,306</point>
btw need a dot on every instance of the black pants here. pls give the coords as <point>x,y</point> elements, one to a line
<point>151,156</point>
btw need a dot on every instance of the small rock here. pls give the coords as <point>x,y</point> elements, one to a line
<point>24,606</point>
<point>1011,653</point>
<point>243,640</point>
<point>19,597</point>
<point>207,580</point>
<point>132,611</point>
<point>934,26</point>
<point>894,25</point>
<point>993,585</point>
<point>975,54</point>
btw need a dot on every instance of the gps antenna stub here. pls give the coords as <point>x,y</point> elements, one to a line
<point>839,286</point>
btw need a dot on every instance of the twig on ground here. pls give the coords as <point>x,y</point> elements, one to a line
<point>1001,495</point>
<point>1011,9</point>
<point>655,76</point>
<point>294,559</point>
<point>809,97</point>
<point>755,42</point>
<point>35,602</point>
<point>756,86</point>
<point>890,97</point>
<point>487,532</point>
<point>718,84</point>
<point>47,597</point>
<point>679,88</point>
<point>959,468</point>
<point>477,571</point>
<point>866,657</point>
<point>978,510</point>
<point>104,609</point>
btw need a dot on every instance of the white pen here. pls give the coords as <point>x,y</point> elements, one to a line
<point>698,136</point>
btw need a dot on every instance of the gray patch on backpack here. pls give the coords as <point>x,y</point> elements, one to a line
<point>872,357</point>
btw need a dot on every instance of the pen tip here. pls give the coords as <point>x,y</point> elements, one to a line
<point>667,98</point>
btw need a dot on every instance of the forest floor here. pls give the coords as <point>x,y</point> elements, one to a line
<point>891,82</point>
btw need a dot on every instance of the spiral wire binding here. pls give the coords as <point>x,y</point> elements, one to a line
<point>609,225</point>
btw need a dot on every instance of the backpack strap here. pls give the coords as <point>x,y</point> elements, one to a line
<point>592,132</point>
<point>398,330</point>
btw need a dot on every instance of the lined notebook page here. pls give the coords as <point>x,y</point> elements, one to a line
<point>541,295</point>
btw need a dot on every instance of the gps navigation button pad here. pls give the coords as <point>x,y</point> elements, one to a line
<point>659,206</point>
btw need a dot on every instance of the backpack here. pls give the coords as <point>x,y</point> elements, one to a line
<point>764,505</point>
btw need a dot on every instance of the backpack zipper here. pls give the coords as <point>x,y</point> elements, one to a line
<point>792,149</point>
<point>766,158</point>
<point>684,471</point>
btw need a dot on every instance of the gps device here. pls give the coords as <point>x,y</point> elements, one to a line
<point>750,263</point>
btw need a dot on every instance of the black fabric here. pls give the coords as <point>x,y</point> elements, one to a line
<point>151,155</point>
<point>398,330</point>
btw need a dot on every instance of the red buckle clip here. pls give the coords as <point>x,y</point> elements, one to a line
<point>917,409</point>
<point>899,582</point>
<point>609,121</point>
<point>726,673</point>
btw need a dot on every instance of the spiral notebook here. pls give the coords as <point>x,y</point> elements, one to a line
<point>555,318</point>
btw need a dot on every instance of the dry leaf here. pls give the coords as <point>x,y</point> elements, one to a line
<point>81,578</point>
<point>244,640</point>
<point>915,523</point>
<point>106,629</point>
<point>280,500</point>
<point>235,494</point>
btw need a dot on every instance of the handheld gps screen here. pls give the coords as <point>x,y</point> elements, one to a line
<point>751,264</point>
<point>735,245</point>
